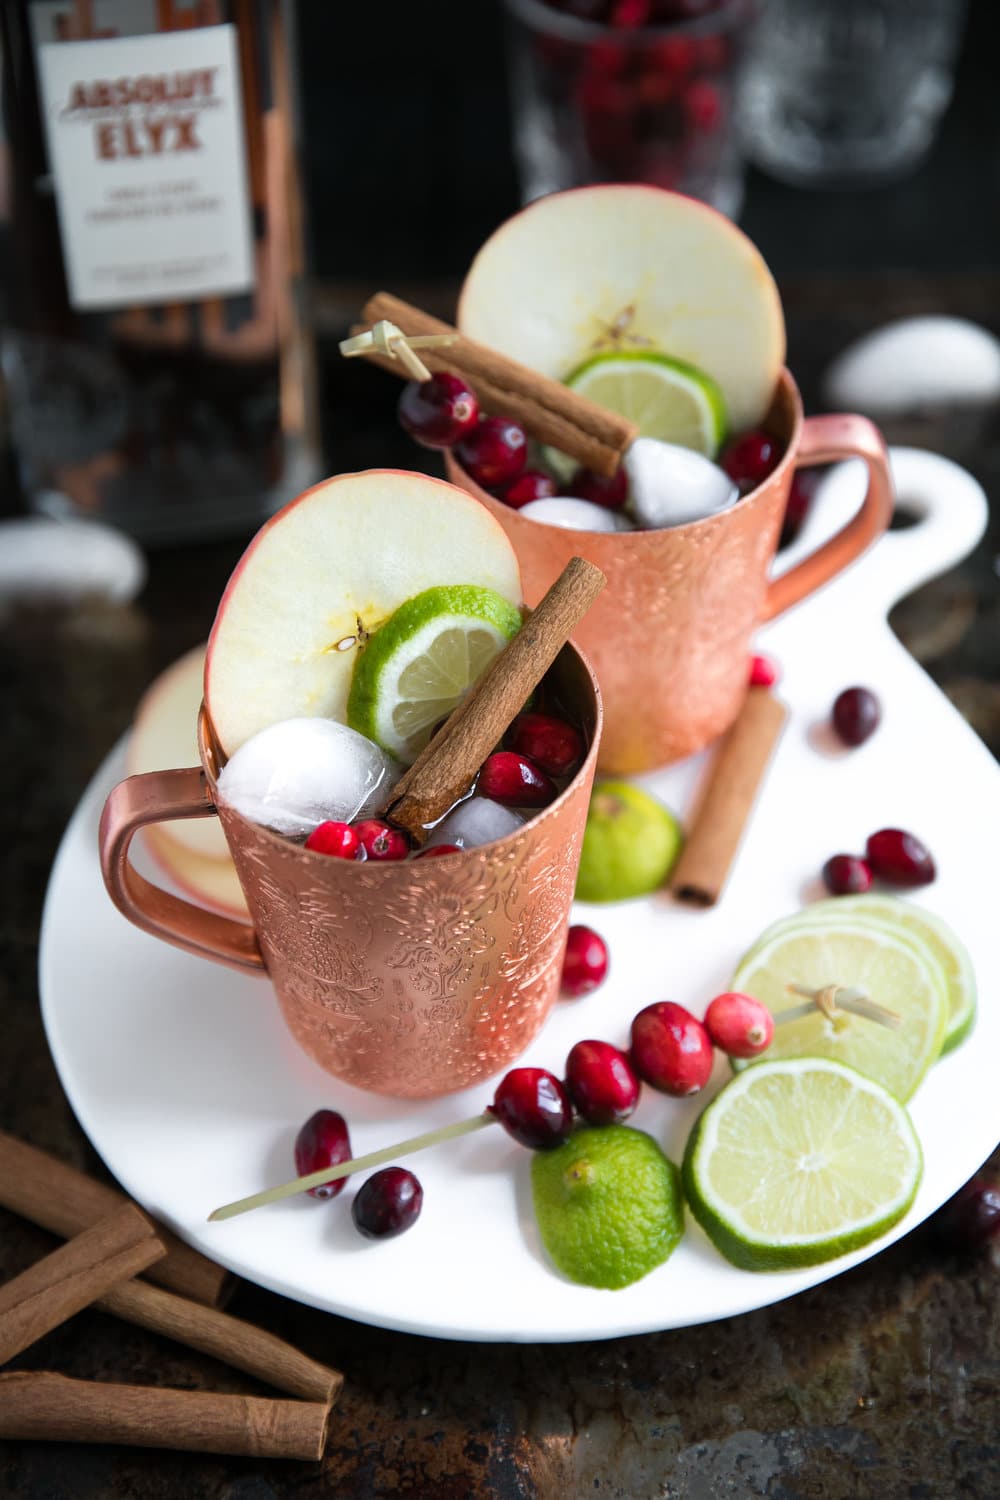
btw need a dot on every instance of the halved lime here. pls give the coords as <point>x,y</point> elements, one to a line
<point>608,1204</point>
<point>422,661</point>
<point>894,970</point>
<point>798,1161</point>
<point>928,929</point>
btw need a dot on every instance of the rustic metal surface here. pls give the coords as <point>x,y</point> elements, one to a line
<point>880,1385</point>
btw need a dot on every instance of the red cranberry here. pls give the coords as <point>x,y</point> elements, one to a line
<point>750,458</point>
<point>675,54</point>
<point>847,875</point>
<point>972,1218</point>
<point>552,744</point>
<point>380,842</point>
<point>609,491</point>
<point>534,1107</point>
<point>899,858</point>
<point>439,411</point>
<point>531,485</point>
<point>856,715</point>
<point>702,106</point>
<point>494,452</point>
<point>801,491</point>
<point>671,1049</point>
<point>322,1142</point>
<point>763,671</point>
<point>602,1083</point>
<point>514,781</point>
<point>387,1204</point>
<point>338,839</point>
<point>739,1025</point>
<point>433,850</point>
<point>586,963</point>
<point>629,14</point>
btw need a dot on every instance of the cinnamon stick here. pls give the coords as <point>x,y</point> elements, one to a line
<point>52,1408</point>
<point>56,1197</point>
<point>72,1277</point>
<point>548,410</point>
<point>237,1344</point>
<point>443,771</point>
<point>726,803</point>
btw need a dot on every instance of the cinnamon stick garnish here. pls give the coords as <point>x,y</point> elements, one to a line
<point>546,409</point>
<point>52,1408</point>
<point>56,1197</point>
<point>237,1344</point>
<point>443,771</point>
<point>72,1277</point>
<point>703,867</point>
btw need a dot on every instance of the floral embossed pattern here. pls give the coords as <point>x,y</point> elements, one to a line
<point>422,977</point>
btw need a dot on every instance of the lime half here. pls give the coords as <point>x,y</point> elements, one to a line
<point>799,1161</point>
<point>894,970</point>
<point>664,397</point>
<point>608,1204</point>
<point>422,661</point>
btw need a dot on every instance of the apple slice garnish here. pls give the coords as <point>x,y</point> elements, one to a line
<point>630,267</point>
<point>324,573</point>
<point>209,881</point>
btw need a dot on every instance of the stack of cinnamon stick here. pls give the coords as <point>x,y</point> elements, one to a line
<point>111,1243</point>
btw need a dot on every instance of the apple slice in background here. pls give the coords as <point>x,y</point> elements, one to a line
<point>630,267</point>
<point>327,569</point>
<point>192,852</point>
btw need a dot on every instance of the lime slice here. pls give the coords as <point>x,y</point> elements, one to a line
<point>608,1205</point>
<point>931,931</point>
<point>798,1161</point>
<point>422,661</point>
<point>664,397</point>
<point>894,970</point>
<point>630,844</point>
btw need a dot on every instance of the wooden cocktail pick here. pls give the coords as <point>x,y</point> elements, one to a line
<point>392,343</point>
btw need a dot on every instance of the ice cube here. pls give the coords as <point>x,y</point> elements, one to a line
<point>575,515</point>
<point>300,772</point>
<point>671,485</point>
<point>478,820</point>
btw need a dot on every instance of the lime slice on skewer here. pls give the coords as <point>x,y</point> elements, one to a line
<point>422,661</point>
<point>893,969</point>
<point>798,1161</point>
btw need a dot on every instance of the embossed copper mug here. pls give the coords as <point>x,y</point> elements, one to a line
<point>410,978</point>
<point>670,636</point>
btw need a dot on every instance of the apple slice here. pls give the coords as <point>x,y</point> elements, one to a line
<point>630,267</point>
<point>326,571</point>
<point>164,735</point>
<point>209,881</point>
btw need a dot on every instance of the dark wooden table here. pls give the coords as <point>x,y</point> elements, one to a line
<point>881,1383</point>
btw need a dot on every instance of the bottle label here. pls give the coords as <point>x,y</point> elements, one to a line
<point>146,146</point>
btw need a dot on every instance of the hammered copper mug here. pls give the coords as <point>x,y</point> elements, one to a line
<point>670,636</point>
<point>411,978</point>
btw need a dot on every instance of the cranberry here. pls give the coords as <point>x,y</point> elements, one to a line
<point>380,841</point>
<point>675,54</point>
<point>856,715</point>
<point>763,671</point>
<point>514,781</point>
<point>586,963</point>
<point>322,1142</point>
<point>435,849</point>
<point>531,485</point>
<point>847,875</point>
<point>439,411</point>
<point>602,1083</point>
<point>801,491</point>
<point>629,14</point>
<point>750,458</point>
<point>387,1204</point>
<point>972,1218</point>
<point>609,491</point>
<point>899,858</point>
<point>703,108</point>
<point>552,744</point>
<point>739,1025</point>
<point>494,452</point>
<point>338,839</point>
<point>534,1107</point>
<point>671,1049</point>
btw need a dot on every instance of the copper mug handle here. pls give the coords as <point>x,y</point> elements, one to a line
<point>829,440</point>
<point>157,797</point>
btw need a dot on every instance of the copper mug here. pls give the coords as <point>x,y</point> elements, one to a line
<point>670,636</point>
<point>413,978</point>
